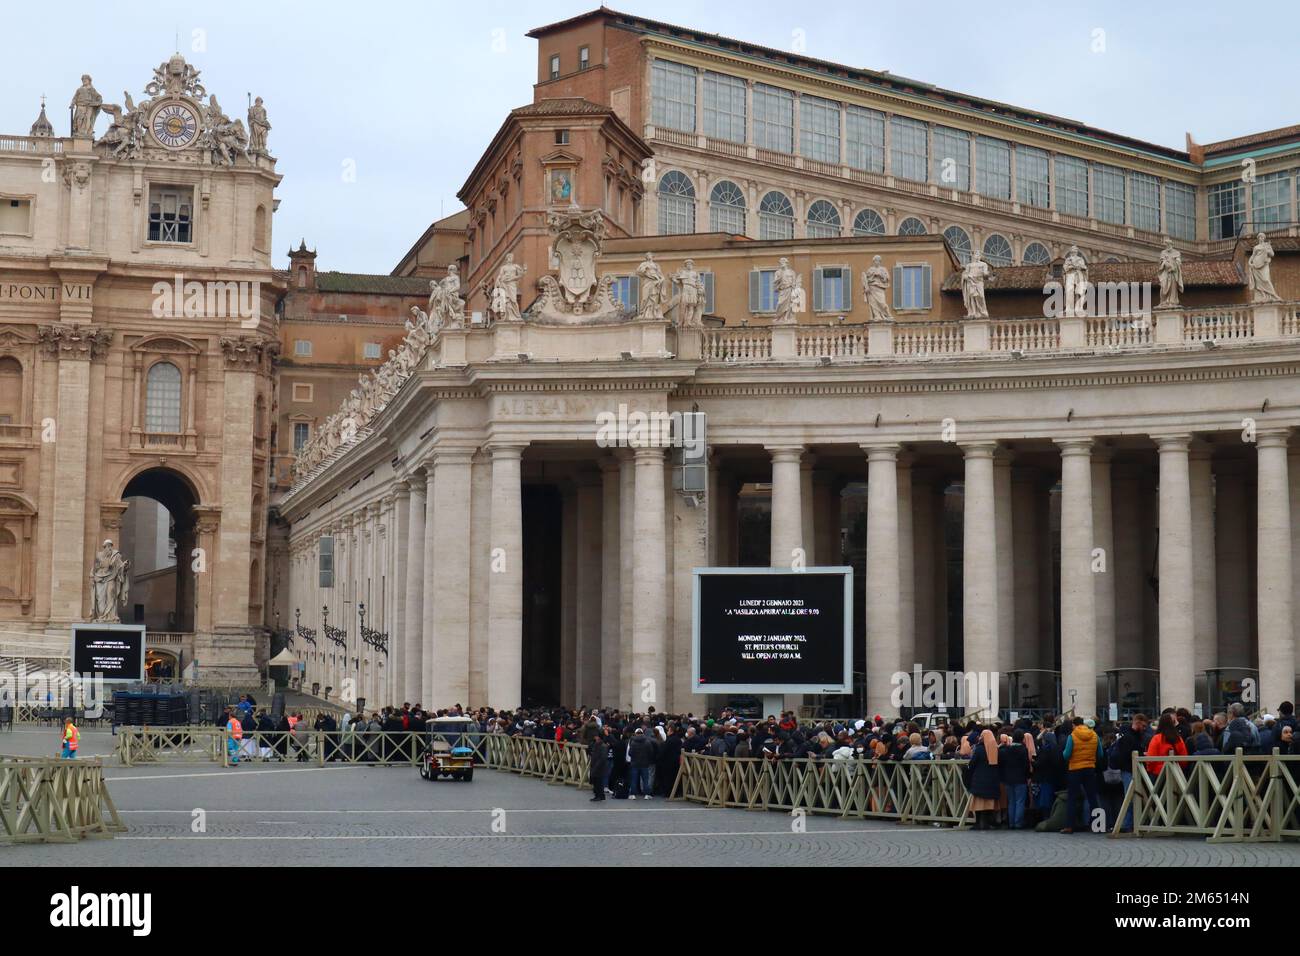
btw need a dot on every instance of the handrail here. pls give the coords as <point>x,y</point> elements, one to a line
<point>47,800</point>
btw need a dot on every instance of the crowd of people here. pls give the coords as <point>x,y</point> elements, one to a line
<point>1053,773</point>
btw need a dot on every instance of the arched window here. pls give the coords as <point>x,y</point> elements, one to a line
<point>302,277</point>
<point>11,391</point>
<point>727,208</point>
<point>676,204</point>
<point>959,241</point>
<point>997,251</point>
<point>260,236</point>
<point>911,226</point>
<point>1037,254</point>
<point>775,217</point>
<point>823,220</point>
<point>868,223</point>
<point>162,401</point>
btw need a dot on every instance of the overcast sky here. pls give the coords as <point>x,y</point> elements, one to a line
<point>411,93</point>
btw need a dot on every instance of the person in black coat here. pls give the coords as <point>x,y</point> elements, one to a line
<point>984,780</point>
<point>667,761</point>
<point>1013,767</point>
<point>598,759</point>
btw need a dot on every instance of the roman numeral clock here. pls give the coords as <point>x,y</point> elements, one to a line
<point>175,125</point>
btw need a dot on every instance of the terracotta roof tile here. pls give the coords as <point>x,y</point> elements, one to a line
<point>376,284</point>
<point>1196,272</point>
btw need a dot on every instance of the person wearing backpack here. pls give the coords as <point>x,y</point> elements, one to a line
<point>1240,732</point>
<point>1130,738</point>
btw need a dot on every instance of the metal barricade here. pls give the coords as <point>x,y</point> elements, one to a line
<point>47,800</point>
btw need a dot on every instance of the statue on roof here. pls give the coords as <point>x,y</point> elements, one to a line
<point>504,297</point>
<point>175,77</point>
<point>875,285</point>
<point>446,307</point>
<point>690,300</point>
<point>1260,278</point>
<point>258,127</point>
<point>787,287</point>
<point>973,276</point>
<point>1074,272</point>
<point>1170,274</point>
<point>652,289</point>
<point>85,106</point>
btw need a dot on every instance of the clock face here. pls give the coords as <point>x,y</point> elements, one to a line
<point>175,125</point>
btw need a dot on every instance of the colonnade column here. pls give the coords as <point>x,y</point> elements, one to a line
<point>412,628</point>
<point>1024,529</point>
<point>1078,598</point>
<point>980,565</point>
<point>589,595</point>
<point>1103,581</point>
<point>1002,521</point>
<point>611,600</point>
<point>1273,575</point>
<point>1176,620</point>
<point>649,632</point>
<point>398,544</point>
<point>1232,559</point>
<point>506,580</point>
<point>450,578</point>
<point>906,565</point>
<point>883,658</point>
<point>787,512</point>
<point>924,568</point>
<point>626,552</point>
<point>1205,614</point>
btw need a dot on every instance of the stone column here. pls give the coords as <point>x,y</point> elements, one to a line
<point>1125,563</point>
<point>1273,575</point>
<point>569,596</point>
<point>924,568</point>
<point>1006,561</point>
<point>398,544</point>
<point>449,613</point>
<point>413,615</point>
<point>907,655</point>
<point>242,367</point>
<point>626,551</point>
<point>70,599</point>
<point>1024,531</point>
<point>649,635</point>
<point>1232,574</point>
<point>1103,537</point>
<point>506,584</point>
<point>589,596</point>
<point>1078,597</point>
<point>480,570</point>
<point>787,512</point>
<point>1205,617</point>
<point>611,595</point>
<point>979,564</point>
<point>807,516</point>
<point>882,585</point>
<point>826,503</point>
<point>1177,680</point>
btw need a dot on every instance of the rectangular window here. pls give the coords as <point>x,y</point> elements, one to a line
<point>301,435</point>
<point>555,66</point>
<point>1227,204</point>
<point>326,561</point>
<point>773,118</point>
<point>1270,199</point>
<point>16,217</point>
<point>561,137</point>
<point>584,57</point>
<point>1072,186</point>
<point>819,129</point>
<point>371,350</point>
<point>952,158</point>
<point>302,392</point>
<point>1108,193</point>
<point>912,287</point>
<point>302,347</point>
<point>1146,201</point>
<point>673,95</point>
<point>171,213</point>
<point>761,296</point>
<point>1032,186</point>
<point>992,167</point>
<point>708,292</point>
<point>907,155</point>
<point>865,139</point>
<point>832,289</point>
<point>1180,211</point>
<point>627,289</point>
<point>724,107</point>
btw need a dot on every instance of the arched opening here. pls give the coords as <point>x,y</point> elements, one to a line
<point>158,538</point>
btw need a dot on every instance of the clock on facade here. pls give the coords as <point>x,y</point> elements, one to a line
<point>175,125</point>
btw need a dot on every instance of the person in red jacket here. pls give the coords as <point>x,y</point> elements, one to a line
<point>1167,741</point>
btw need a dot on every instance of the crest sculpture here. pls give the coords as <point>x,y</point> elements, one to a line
<point>576,294</point>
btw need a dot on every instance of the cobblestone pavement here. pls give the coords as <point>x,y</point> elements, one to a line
<point>339,815</point>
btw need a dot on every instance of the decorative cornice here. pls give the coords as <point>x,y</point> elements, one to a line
<point>80,342</point>
<point>248,352</point>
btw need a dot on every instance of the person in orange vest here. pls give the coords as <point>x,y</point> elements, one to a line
<point>234,735</point>
<point>71,740</point>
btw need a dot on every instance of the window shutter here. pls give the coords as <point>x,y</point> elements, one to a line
<point>634,293</point>
<point>755,290</point>
<point>817,290</point>
<point>925,287</point>
<point>708,292</point>
<point>846,276</point>
<point>898,287</point>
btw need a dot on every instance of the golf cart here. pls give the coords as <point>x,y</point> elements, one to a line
<point>445,753</point>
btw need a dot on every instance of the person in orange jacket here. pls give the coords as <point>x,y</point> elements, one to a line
<point>71,740</point>
<point>1167,742</point>
<point>234,735</point>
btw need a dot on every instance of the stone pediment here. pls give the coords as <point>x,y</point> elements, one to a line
<point>560,158</point>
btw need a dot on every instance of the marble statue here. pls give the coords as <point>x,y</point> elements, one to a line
<point>1170,274</point>
<point>1261,280</point>
<point>690,304</point>
<point>258,127</point>
<point>1074,272</point>
<point>505,290</point>
<point>875,289</point>
<point>446,307</point>
<point>109,584</point>
<point>973,276</point>
<point>652,288</point>
<point>787,286</point>
<point>85,108</point>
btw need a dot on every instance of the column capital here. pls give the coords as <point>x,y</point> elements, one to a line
<point>648,454</point>
<point>505,451</point>
<point>785,452</point>
<point>1103,453</point>
<point>417,481</point>
<point>979,449</point>
<point>1272,437</point>
<point>1173,444</point>
<point>882,451</point>
<point>450,456</point>
<point>402,491</point>
<point>1074,446</point>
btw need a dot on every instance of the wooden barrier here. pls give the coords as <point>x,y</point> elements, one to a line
<point>48,800</point>
<point>553,761</point>
<point>1227,799</point>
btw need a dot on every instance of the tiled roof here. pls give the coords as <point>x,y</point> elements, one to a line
<point>377,284</point>
<point>1253,139</point>
<point>562,105</point>
<point>1196,272</point>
